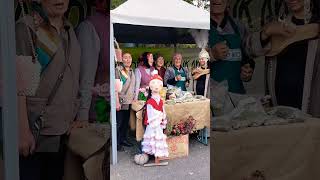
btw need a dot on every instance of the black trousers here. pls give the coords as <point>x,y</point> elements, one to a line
<point>43,165</point>
<point>123,117</point>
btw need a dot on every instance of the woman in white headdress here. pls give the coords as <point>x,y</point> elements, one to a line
<point>201,75</point>
<point>293,74</point>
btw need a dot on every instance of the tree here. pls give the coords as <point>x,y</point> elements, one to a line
<point>204,4</point>
<point>189,1</point>
<point>116,3</point>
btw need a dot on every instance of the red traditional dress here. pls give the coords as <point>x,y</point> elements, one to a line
<point>154,140</point>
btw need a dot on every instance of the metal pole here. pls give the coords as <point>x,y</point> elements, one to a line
<point>112,94</point>
<point>9,105</point>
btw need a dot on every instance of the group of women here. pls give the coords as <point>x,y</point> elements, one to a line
<point>135,80</point>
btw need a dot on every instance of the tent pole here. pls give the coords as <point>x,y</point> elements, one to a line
<point>9,104</point>
<point>112,94</point>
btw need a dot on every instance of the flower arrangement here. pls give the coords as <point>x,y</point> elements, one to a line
<point>101,90</point>
<point>182,128</point>
<point>143,94</point>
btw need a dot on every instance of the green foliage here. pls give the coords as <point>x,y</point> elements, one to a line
<point>102,109</point>
<point>189,1</point>
<point>142,97</point>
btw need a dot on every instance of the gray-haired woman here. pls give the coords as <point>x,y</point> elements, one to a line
<point>177,75</point>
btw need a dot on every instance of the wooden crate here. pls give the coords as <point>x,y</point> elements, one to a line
<point>178,146</point>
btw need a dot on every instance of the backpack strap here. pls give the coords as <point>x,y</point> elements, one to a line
<point>61,75</point>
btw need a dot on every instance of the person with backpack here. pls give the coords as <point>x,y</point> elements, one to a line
<point>126,96</point>
<point>46,117</point>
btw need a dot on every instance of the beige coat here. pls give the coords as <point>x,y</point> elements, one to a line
<point>127,93</point>
<point>64,107</point>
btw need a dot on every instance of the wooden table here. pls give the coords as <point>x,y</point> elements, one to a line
<point>282,152</point>
<point>199,110</point>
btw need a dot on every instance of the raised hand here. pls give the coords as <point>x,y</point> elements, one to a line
<point>220,51</point>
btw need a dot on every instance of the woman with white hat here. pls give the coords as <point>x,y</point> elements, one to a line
<point>292,76</point>
<point>201,75</point>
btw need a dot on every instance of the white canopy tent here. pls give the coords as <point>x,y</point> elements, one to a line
<point>164,13</point>
<point>138,15</point>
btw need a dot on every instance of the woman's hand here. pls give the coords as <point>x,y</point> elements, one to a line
<point>220,51</point>
<point>187,84</point>
<point>118,107</point>
<point>78,124</point>
<point>195,71</point>
<point>276,28</point>
<point>178,78</point>
<point>27,144</point>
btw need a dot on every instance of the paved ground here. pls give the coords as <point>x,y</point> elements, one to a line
<point>195,166</point>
